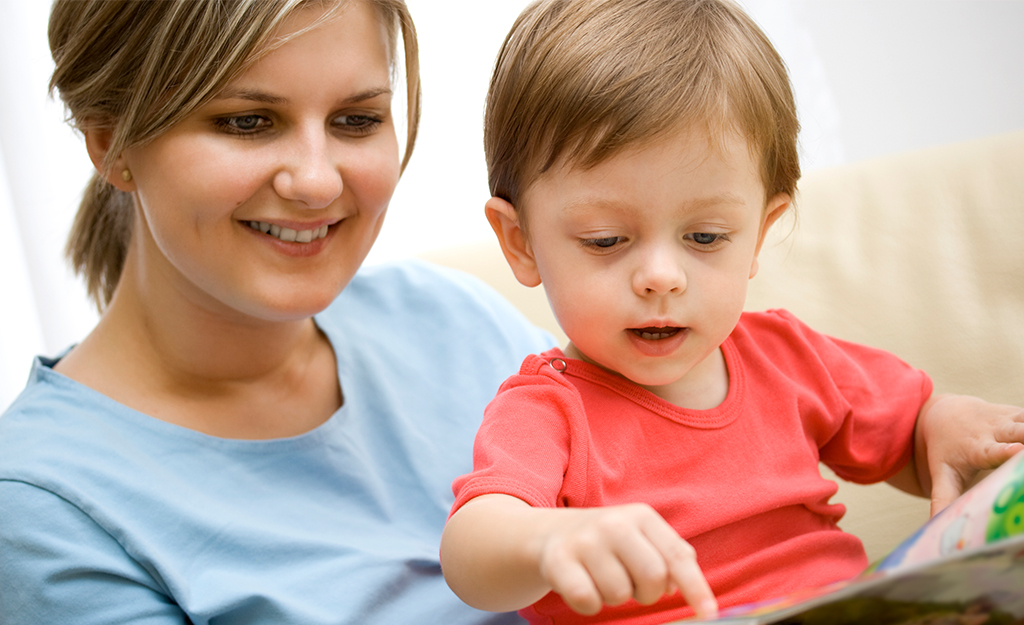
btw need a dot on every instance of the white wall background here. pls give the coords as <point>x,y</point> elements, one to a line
<point>872,77</point>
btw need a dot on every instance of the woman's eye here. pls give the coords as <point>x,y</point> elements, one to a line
<point>243,124</point>
<point>360,124</point>
<point>603,242</point>
<point>247,122</point>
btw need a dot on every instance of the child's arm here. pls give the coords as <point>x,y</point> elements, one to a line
<point>956,437</point>
<point>498,553</point>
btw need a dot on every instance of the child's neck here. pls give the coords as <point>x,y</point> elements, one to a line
<point>704,387</point>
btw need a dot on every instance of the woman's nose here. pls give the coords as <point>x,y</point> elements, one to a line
<point>310,173</point>
<point>659,272</point>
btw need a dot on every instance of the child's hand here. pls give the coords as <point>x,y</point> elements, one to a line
<point>498,553</point>
<point>958,436</point>
<point>605,556</point>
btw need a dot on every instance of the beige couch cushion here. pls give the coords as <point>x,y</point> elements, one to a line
<point>919,253</point>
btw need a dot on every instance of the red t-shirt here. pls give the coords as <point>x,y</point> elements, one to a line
<point>739,482</point>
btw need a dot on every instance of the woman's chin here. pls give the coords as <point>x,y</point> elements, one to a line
<point>296,307</point>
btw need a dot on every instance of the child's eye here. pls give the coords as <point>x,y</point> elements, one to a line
<point>243,124</point>
<point>357,124</point>
<point>707,240</point>
<point>603,243</point>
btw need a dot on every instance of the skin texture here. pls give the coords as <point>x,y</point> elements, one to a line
<point>645,260</point>
<point>210,326</point>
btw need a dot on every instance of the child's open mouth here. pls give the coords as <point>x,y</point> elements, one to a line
<point>655,334</point>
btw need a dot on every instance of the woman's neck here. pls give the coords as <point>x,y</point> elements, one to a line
<point>213,370</point>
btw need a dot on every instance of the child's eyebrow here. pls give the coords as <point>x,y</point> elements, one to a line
<point>582,206</point>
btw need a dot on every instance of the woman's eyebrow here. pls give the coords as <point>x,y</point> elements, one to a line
<point>252,95</point>
<point>262,97</point>
<point>369,94</point>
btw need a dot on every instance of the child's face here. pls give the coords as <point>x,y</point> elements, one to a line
<point>645,258</point>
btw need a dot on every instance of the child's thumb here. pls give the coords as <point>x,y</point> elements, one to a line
<point>947,485</point>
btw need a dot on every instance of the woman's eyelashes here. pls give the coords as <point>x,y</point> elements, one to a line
<point>358,124</point>
<point>253,124</point>
<point>249,124</point>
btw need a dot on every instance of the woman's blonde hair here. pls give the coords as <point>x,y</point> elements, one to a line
<point>583,79</point>
<point>138,68</point>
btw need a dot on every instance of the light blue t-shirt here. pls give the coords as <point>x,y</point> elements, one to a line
<point>110,516</point>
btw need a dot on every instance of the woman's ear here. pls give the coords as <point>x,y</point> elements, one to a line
<point>97,143</point>
<point>515,246</point>
<point>775,208</point>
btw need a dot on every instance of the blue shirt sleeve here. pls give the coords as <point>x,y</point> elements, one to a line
<point>56,562</point>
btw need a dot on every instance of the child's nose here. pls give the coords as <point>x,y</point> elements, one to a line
<point>659,273</point>
<point>309,173</point>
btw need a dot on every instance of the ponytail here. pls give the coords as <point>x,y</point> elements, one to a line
<point>99,238</point>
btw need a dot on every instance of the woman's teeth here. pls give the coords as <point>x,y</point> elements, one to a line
<point>287,234</point>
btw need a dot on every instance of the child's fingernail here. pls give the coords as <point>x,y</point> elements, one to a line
<point>709,609</point>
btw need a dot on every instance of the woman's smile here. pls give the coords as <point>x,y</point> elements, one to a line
<point>287,234</point>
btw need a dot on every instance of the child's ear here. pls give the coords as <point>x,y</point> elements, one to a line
<point>504,221</point>
<point>775,208</point>
<point>97,143</point>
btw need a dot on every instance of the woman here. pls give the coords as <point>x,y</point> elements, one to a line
<point>212,452</point>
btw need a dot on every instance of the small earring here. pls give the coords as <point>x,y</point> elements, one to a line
<point>126,175</point>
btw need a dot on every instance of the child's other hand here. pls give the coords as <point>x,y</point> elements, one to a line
<point>605,556</point>
<point>958,436</point>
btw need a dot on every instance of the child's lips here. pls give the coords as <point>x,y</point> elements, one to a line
<point>656,333</point>
<point>658,341</point>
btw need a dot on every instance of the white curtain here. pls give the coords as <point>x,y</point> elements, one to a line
<point>43,168</point>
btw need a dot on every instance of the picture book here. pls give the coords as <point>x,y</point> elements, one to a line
<point>965,565</point>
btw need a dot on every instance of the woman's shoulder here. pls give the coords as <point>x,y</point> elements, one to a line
<point>45,430</point>
<point>426,298</point>
<point>52,419</point>
<point>421,282</point>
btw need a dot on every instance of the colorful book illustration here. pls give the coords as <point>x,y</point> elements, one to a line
<point>965,565</point>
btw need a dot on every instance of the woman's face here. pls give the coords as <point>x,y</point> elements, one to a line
<point>265,201</point>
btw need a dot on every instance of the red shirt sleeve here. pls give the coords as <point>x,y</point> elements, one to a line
<point>876,399</point>
<point>524,445</point>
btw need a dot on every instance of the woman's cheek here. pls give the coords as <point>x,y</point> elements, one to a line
<point>380,177</point>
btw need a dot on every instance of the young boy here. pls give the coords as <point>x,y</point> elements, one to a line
<point>639,151</point>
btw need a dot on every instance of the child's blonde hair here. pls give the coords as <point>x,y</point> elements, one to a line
<point>138,68</point>
<point>583,79</point>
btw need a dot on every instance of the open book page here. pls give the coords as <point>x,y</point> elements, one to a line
<point>965,565</point>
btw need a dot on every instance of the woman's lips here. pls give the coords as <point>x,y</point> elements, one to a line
<point>297,242</point>
<point>289,235</point>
